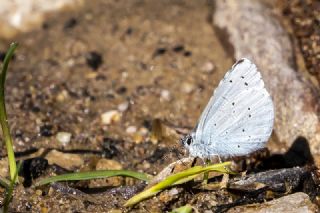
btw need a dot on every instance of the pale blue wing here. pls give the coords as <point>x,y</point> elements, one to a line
<point>243,127</point>
<point>238,99</point>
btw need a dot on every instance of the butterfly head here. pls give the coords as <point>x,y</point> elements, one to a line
<point>187,140</point>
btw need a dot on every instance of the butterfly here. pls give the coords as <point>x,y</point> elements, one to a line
<point>238,119</point>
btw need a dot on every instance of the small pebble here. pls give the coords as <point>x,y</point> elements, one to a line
<point>143,131</point>
<point>110,117</point>
<point>173,192</point>
<point>165,95</point>
<point>131,129</point>
<point>208,67</point>
<point>38,192</point>
<point>62,96</point>
<point>187,88</point>
<point>123,106</point>
<point>64,137</point>
<point>137,138</point>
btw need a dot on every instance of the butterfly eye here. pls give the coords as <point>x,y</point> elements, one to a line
<point>189,140</point>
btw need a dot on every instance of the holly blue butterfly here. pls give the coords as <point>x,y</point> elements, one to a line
<point>237,120</point>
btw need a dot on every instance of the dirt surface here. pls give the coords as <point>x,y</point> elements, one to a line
<point>160,59</point>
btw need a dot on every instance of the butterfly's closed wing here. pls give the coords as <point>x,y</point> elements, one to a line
<point>238,118</point>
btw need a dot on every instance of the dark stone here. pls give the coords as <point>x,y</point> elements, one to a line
<point>187,53</point>
<point>178,48</point>
<point>147,124</point>
<point>121,90</point>
<point>159,51</point>
<point>70,23</point>
<point>94,60</point>
<point>46,130</point>
<point>129,31</point>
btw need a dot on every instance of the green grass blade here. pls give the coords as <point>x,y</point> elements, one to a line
<point>3,114</point>
<point>10,189</point>
<point>176,178</point>
<point>93,175</point>
<point>183,209</point>
<point>5,183</point>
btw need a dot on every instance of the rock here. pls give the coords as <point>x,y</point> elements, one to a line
<point>21,16</point>
<point>263,40</point>
<point>105,164</point>
<point>65,160</point>
<point>295,203</point>
<point>63,138</point>
<point>110,116</point>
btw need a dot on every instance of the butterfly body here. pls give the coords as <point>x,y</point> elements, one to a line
<point>238,119</point>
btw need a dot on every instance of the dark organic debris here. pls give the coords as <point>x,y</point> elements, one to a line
<point>46,130</point>
<point>157,155</point>
<point>94,60</point>
<point>3,55</point>
<point>74,193</point>
<point>32,169</point>
<point>280,180</point>
<point>109,147</point>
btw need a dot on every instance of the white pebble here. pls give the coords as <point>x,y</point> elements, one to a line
<point>208,67</point>
<point>63,137</point>
<point>173,192</point>
<point>131,129</point>
<point>110,116</point>
<point>165,95</point>
<point>123,106</point>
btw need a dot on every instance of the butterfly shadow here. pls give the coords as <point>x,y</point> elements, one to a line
<point>299,154</point>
